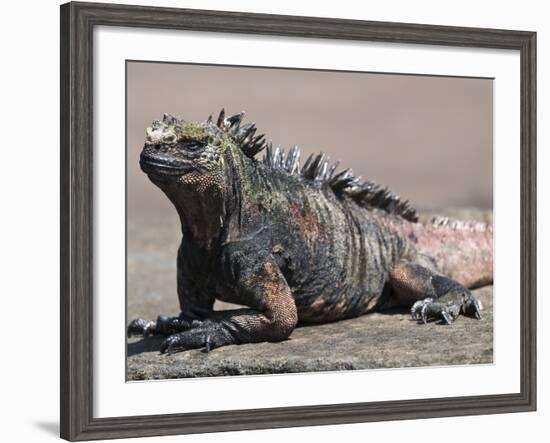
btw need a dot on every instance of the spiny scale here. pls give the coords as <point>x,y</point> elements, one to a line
<point>459,225</point>
<point>316,169</point>
<point>244,135</point>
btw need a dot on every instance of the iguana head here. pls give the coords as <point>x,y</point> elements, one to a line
<point>180,152</point>
<point>198,164</point>
<point>177,152</point>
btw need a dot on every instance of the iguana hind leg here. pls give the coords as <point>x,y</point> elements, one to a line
<point>430,294</point>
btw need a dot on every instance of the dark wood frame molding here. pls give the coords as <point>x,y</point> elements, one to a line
<point>77,24</point>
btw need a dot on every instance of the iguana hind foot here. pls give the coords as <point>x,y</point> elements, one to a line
<point>447,307</point>
<point>431,295</point>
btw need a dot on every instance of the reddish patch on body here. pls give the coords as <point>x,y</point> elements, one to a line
<point>462,254</point>
<point>305,223</point>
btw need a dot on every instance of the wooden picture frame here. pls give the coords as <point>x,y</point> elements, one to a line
<point>77,23</point>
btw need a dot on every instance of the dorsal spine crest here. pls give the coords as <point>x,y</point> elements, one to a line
<point>317,169</point>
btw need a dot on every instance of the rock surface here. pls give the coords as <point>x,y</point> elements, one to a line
<point>379,340</point>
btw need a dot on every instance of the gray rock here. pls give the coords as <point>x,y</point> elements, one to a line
<point>388,340</point>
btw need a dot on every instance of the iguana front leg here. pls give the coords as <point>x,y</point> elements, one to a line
<point>163,325</point>
<point>430,294</point>
<point>271,316</point>
<point>190,316</point>
<point>195,299</point>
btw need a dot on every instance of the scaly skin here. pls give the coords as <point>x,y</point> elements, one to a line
<point>295,243</point>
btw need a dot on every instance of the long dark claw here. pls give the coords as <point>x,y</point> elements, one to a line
<point>446,316</point>
<point>164,347</point>
<point>472,306</point>
<point>424,313</point>
<point>170,346</point>
<point>207,343</point>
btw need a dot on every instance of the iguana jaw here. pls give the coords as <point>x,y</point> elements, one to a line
<point>200,215</point>
<point>159,163</point>
<point>196,192</point>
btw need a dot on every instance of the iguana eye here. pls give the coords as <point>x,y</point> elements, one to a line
<point>191,145</point>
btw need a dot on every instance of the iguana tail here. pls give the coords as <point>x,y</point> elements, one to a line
<point>462,250</point>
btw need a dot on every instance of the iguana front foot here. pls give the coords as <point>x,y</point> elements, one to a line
<point>164,325</point>
<point>142,327</point>
<point>207,334</point>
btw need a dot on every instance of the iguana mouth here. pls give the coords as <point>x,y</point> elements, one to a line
<point>162,164</point>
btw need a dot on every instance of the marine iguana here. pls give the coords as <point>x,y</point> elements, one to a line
<point>295,243</point>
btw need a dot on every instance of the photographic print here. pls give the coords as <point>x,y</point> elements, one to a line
<point>290,220</point>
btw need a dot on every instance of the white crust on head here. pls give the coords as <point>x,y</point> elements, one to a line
<point>162,132</point>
